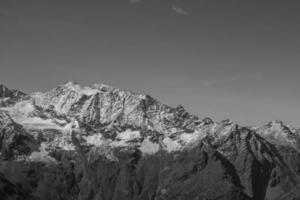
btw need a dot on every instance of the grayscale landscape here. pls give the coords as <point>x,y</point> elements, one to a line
<point>149,100</point>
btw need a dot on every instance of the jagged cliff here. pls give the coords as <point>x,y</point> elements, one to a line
<point>104,143</point>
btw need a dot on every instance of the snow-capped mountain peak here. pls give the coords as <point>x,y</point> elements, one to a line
<point>85,90</point>
<point>92,126</point>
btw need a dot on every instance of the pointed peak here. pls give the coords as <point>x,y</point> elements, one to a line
<point>276,123</point>
<point>180,108</point>
<point>70,83</point>
<point>227,121</point>
<point>207,120</point>
<point>102,87</point>
<point>76,87</point>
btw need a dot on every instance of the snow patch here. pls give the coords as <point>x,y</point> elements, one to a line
<point>188,138</point>
<point>128,135</point>
<point>97,140</point>
<point>42,156</point>
<point>148,147</point>
<point>171,145</point>
<point>36,123</point>
<point>88,91</point>
<point>81,90</point>
<point>123,139</point>
<point>23,108</point>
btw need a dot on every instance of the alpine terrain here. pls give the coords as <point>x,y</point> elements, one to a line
<point>104,143</point>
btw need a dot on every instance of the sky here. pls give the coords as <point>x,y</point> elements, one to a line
<point>220,59</point>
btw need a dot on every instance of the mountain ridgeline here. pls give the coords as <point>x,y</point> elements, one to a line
<point>104,143</point>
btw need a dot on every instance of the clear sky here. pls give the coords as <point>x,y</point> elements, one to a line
<point>221,59</point>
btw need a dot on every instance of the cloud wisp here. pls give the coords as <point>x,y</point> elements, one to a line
<point>178,10</point>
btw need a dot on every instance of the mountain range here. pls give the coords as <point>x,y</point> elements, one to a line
<point>102,143</point>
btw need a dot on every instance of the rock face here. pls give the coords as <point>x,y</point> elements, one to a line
<point>103,143</point>
<point>101,104</point>
<point>14,140</point>
<point>9,97</point>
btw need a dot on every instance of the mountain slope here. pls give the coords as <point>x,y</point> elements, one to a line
<point>100,142</point>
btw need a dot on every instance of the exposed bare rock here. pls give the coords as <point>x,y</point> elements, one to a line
<point>9,97</point>
<point>14,140</point>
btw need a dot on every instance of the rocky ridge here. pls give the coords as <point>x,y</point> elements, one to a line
<point>100,142</point>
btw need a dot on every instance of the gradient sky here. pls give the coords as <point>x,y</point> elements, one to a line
<point>221,59</point>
